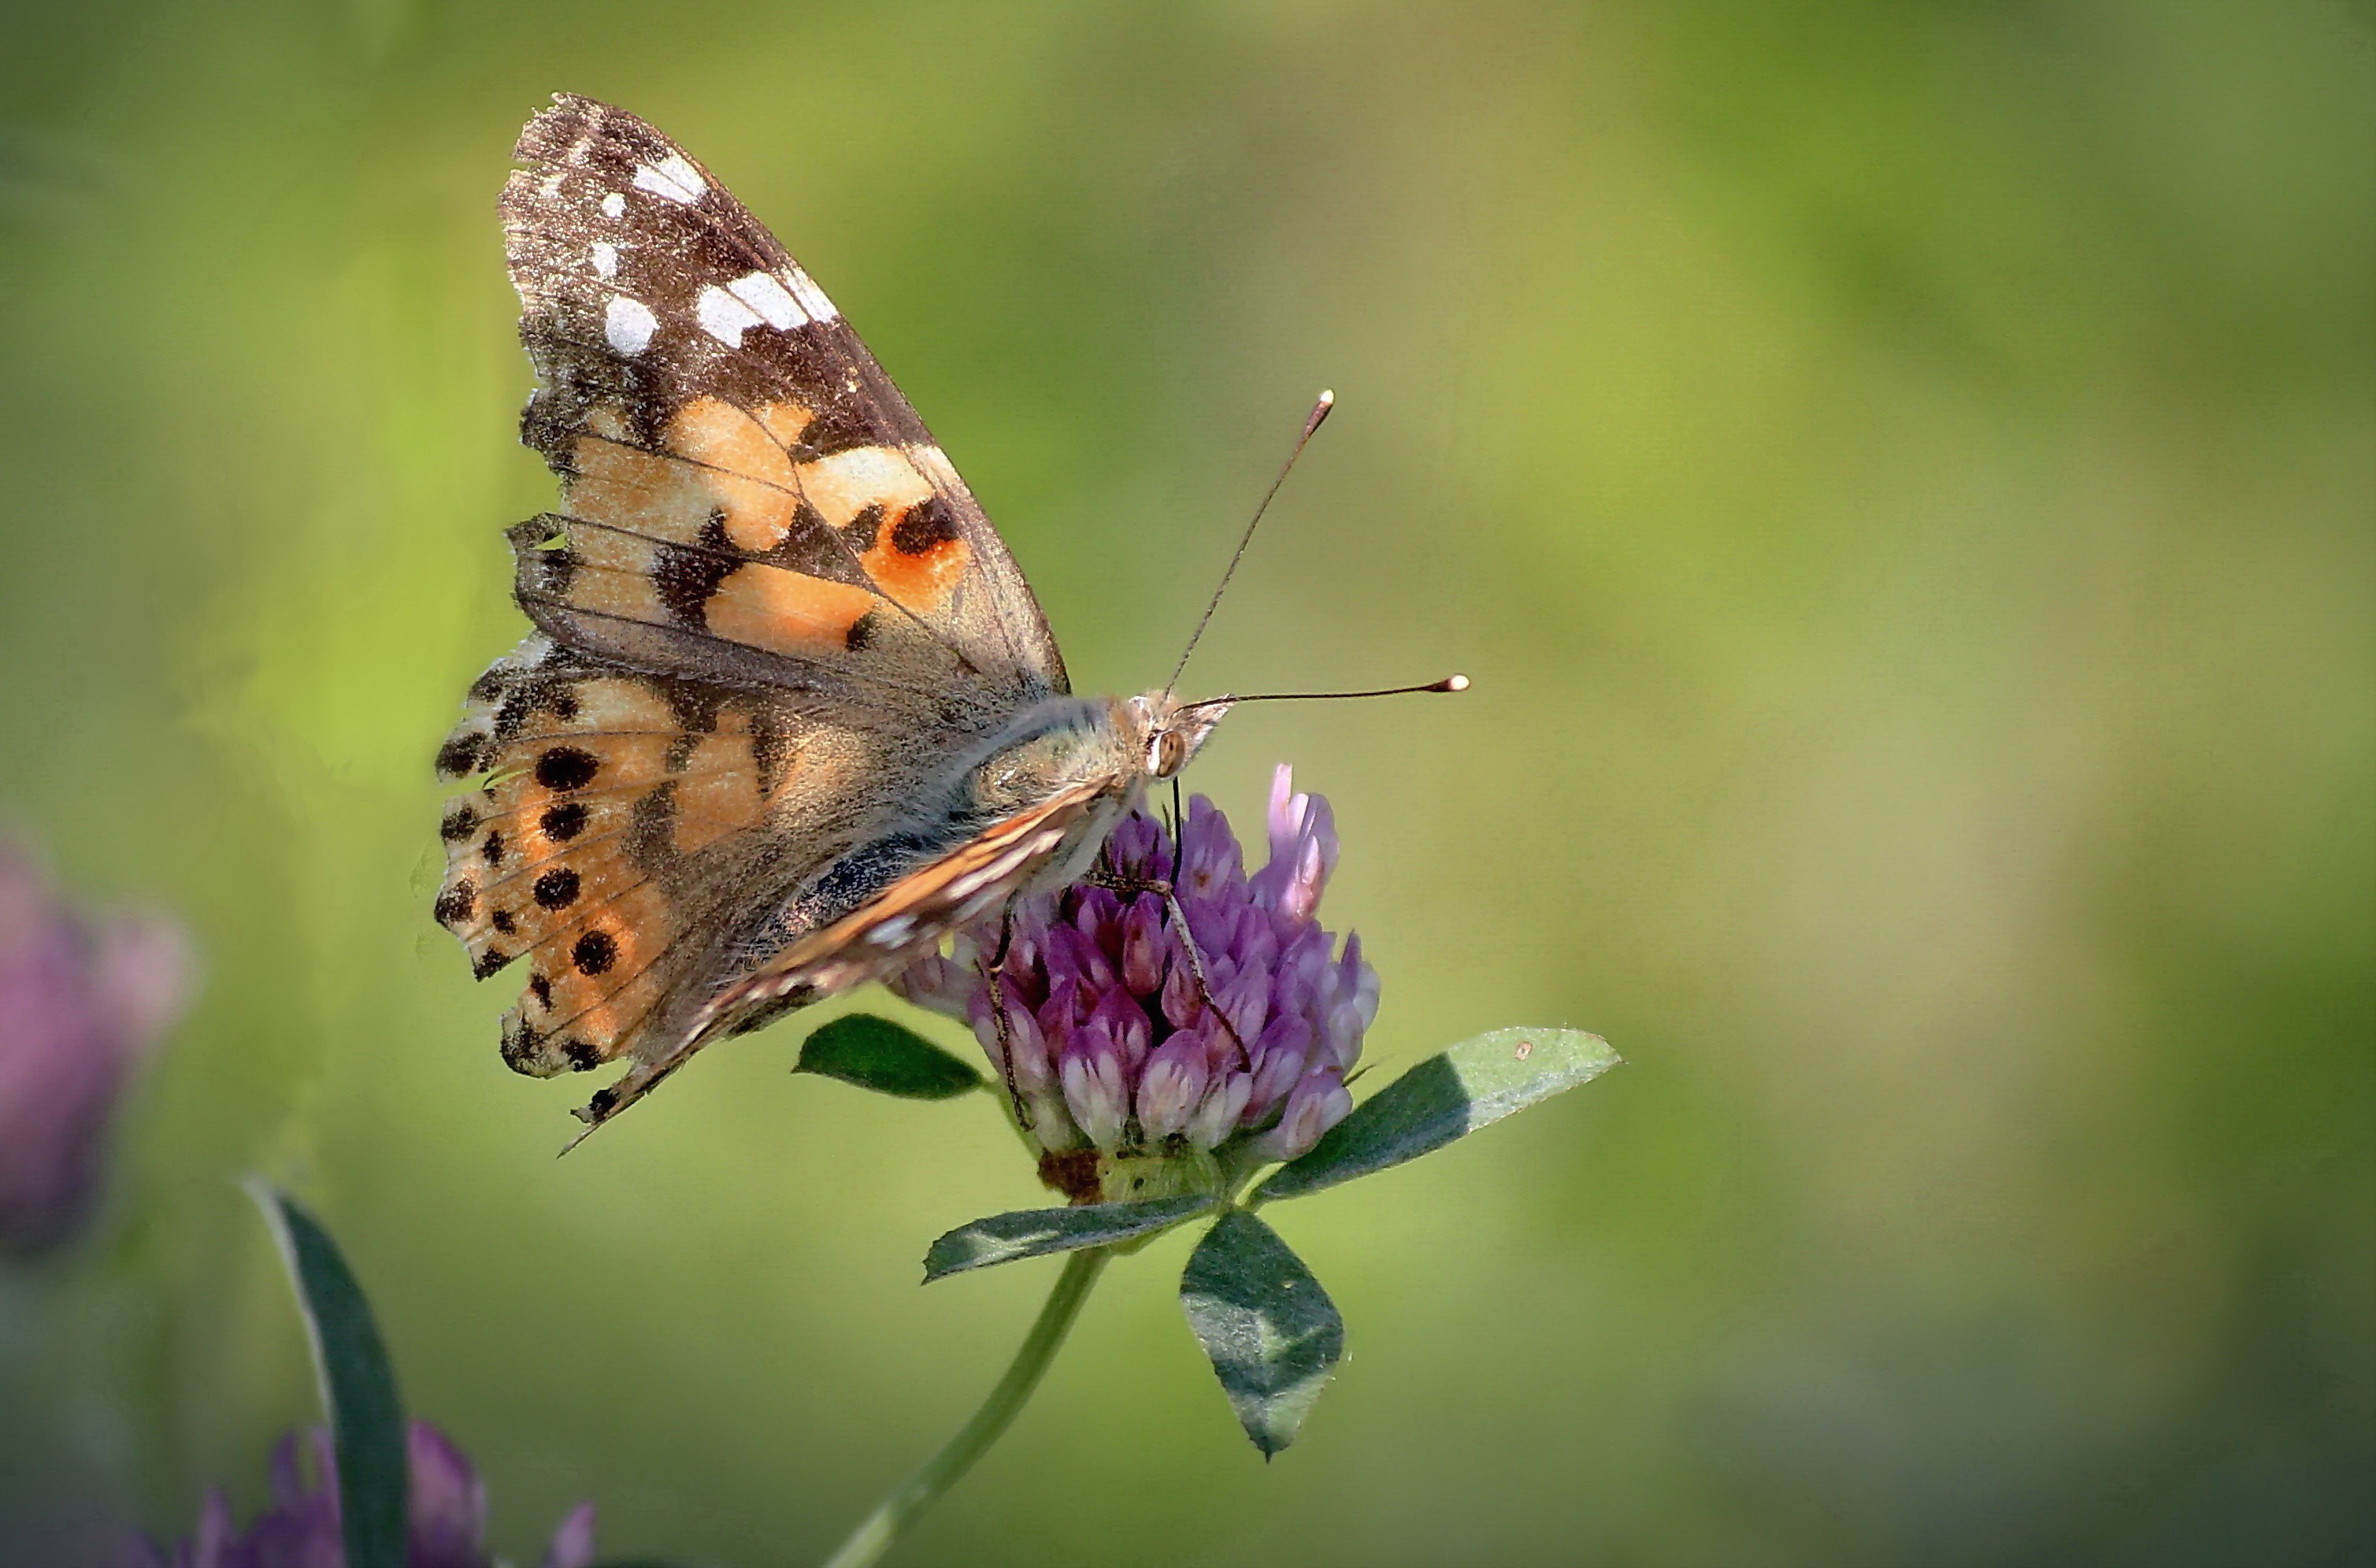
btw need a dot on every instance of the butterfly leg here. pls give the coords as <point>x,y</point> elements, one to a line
<point>990,973</point>
<point>1113,879</point>
<point>1196,967</point>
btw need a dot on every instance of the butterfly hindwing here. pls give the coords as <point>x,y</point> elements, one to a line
<point>614,817</point>
<point>906,918</point>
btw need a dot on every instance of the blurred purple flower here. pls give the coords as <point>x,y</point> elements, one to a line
<point>82,1002</point>
<point>301,1528</point>
<point>1114,1048</point>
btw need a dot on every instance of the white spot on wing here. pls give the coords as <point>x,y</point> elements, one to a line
<point>763,293</point>
<point>880,471</point>
<point>892,932</point>
<point>606,259</point>
<point>628,324</point>
<point>615,205</point>
<point>673,178</point>
<point>723,316</point>
<point>934,465</point>
<point>812,298</point>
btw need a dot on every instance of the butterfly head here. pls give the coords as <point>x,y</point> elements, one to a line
<point>1166,732</point>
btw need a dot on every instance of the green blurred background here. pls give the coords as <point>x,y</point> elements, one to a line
<point>1902,478</point>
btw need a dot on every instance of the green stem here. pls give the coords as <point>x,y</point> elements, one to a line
<point>872,1538</point>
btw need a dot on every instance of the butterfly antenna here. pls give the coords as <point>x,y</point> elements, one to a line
<point>1319,413</point>
<point>1449,683</point>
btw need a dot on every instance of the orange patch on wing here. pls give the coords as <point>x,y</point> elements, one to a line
<point>720,791</point>
<point>770,608</point>
<point>922,581</point>
<point>750,478</point>
<point>591,982</point>
<point>734,465</point>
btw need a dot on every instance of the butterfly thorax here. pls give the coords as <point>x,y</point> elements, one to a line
<point>1076,764</point>
<point>1027,808</point>
<point>1102,750</point>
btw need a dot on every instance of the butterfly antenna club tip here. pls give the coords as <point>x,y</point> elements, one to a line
<point>1449,683</point>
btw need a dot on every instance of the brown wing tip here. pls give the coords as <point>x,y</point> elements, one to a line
<point>551,131</point>
<point>575,123</point>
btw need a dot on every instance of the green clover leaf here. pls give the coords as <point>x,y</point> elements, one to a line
<point>875,1054</point>
<point>1270,1331</point>
<point>358,1385</point>
<point>1448,1096</point>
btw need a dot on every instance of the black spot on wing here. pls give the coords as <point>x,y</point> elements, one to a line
<point>538,693</point>
<point>460,823</point>
<point>521,1040</point>
<point>565,768</point>
<point>456,902</point>
<point>556,889</point>
<point>686,576</point>
<point>924,527</point>
<point>564,821</point>
<point>458,757</point>
<point>594,952</point>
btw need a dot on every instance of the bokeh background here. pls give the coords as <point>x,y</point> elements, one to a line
<point>1900,475</point>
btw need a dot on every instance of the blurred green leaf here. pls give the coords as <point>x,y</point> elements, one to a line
<point>1445,1097</point>
<point>358,1386</point>
<point>1271,1332</point>
<point>1030,1233</point>
<point>875,1054</point>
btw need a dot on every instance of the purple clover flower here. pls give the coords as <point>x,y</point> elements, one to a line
<point>301,1528</point>
<point>82,1004</point>
<point>1115,1054</point>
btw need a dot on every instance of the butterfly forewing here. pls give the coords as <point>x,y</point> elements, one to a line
<point>747,494</point>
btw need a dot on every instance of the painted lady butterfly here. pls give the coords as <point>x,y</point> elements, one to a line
<point>791,714</point>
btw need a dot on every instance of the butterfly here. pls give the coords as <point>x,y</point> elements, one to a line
<point>789,714</point>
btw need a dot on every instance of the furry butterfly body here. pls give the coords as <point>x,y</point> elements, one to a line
<point>791,713</point>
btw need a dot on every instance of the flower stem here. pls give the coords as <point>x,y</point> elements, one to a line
<point>918,1491</point>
